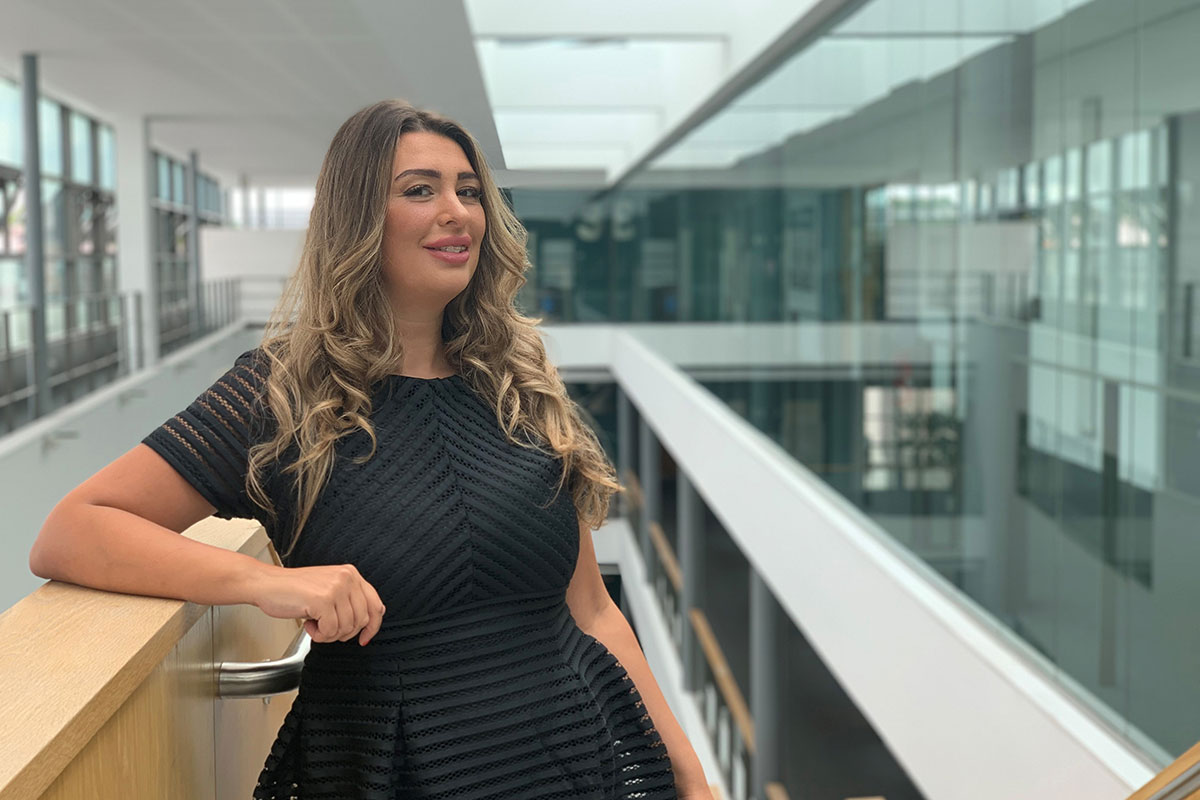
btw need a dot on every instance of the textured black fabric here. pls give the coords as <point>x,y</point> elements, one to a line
<point>480,684</point>
<point>208,441</point>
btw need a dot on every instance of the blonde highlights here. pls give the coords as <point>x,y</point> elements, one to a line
<point>332,335</point>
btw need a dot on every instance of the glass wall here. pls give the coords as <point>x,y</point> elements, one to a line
<point>272,207</point>
<point>1010,186</point>
<point>178,315</point>
<point>82,311</point>
<point>78,163</point>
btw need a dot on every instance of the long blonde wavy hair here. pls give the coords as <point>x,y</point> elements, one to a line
<point>332,335</point>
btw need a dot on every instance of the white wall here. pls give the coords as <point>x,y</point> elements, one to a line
<point>966,709</point>
<point>263,259</point>
<point>43,461</point>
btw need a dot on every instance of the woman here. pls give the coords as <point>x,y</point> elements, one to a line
<point>416,459</point>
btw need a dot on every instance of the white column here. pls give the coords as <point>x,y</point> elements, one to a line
<point>195,287</point>
<point>689,526</point>
<point>625,454</point>
<point>649,462</point>
<point>135,233</point>
<point>35,262</point>
<point>766,651</point>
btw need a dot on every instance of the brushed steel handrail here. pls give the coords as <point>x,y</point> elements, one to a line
<point>264,678</point>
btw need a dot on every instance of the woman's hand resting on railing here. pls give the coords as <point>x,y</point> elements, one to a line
<point>335,601</point>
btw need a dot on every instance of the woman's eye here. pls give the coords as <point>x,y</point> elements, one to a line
<point>412,190</point>
<point>473,191</point>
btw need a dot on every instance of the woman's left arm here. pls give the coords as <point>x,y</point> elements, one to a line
<point>597,615</point>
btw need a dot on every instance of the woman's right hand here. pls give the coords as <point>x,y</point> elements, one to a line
<point>335,601</point>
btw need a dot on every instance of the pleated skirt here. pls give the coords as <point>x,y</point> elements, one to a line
<point>501,699</point>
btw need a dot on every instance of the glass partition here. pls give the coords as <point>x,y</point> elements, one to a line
<point>999,199</point>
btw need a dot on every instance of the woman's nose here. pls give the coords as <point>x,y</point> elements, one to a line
<point>452,209</point>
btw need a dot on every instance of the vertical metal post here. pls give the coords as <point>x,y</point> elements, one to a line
<point>70,322</point>
<point>6,317</point>
<point>35,265</point>
<point>650,460</point>
<point>91,305</point>
<point>765,685</point>
<point>36,318</point>
<point>1189,310</point>
<point>262,207</point>
<point>195,295</point>
<point>624,441</point>
<point>1110,520</point>
<point>690,532</point>
<point>759,402</point>
<point>244,180</point>
<point>137,326</point>
<point>124,343</point>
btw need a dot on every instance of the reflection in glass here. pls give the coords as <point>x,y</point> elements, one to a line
<point>81,148</point>
<point>50,136</point>
<point>11,131</point>
<point>107,149</point>
<point>1009,187</point>
<point>54,217</point>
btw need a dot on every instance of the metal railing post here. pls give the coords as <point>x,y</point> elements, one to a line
<point>651,485</point>
<point>690,533</point>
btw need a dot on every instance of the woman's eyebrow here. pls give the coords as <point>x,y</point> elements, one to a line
<point>433,173</point>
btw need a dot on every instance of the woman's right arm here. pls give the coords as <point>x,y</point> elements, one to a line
<point>119,531</point>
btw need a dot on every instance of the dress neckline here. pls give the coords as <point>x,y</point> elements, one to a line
<point>395,376</point>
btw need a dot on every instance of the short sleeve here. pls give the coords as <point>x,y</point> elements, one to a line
<point>208,443</point>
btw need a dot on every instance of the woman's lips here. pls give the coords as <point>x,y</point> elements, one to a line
<point>449,257</point>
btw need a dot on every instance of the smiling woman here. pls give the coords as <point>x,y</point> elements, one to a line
<point>416,459</point>
<point>442,216</point>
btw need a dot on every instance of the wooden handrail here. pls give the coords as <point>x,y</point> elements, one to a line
<point>1179,781</point>
<point>723,677</point>
<point>775,791</point>
<point>75,662</point>
<point>634,488</point>
<point>667,556</point>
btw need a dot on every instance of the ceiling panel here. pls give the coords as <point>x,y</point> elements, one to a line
<point>98,18</point>
<point>223,75</point>
<point>565,98</point>
<point>166,18</point>
<point>252,17</point>
<point>304,68</point>
<point>326,19</point>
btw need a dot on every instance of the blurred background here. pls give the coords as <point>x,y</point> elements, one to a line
<point>886,310</point>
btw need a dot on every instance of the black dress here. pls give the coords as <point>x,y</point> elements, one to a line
<point>479,684</point>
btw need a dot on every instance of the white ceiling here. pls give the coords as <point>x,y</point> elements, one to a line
<point>882,46</point>
<point>257,87</point>
<point>598,84</point>
<point>554,90</point>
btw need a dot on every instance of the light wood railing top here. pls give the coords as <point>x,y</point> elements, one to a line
<point>667,556</point>
<point>634,488</point>
<point>1179,781</point>
<point>723,677</point>
<point>775,791</point>
<point>70,656</point>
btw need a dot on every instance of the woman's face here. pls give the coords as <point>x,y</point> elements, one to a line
<point>435,202</point>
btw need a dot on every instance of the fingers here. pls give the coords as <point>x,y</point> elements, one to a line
<point>358,618</point>
<point>376,612</point>
<point>327,625</point>
<point>353,608</point>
